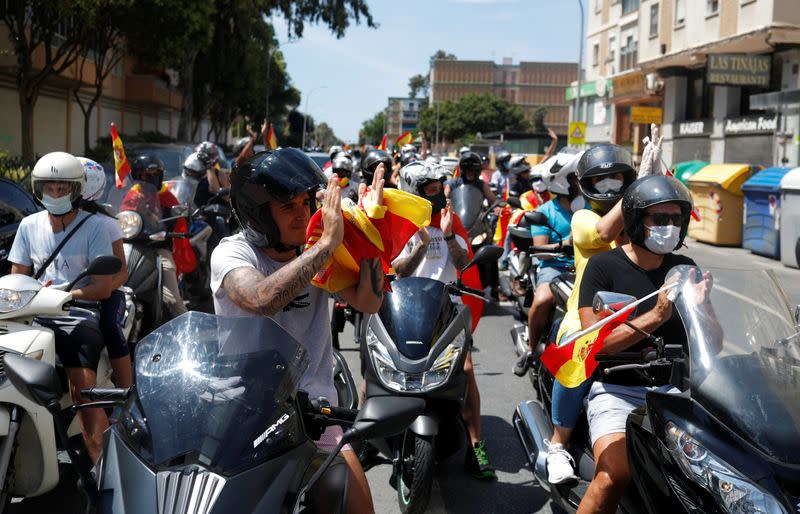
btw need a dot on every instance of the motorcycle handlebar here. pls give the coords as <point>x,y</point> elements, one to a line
<point>108,394</point>
<point>568,250</point>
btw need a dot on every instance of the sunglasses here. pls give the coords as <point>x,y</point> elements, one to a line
<point>661,219</point>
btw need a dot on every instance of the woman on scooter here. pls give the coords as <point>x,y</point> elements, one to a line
<point>58,181</point>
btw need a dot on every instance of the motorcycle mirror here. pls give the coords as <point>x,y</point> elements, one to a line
<point>486,253</point>
<point>180,210</point>
<point>103,265</point>
<point>158,236</point>
<point>514,202</point>
<point>607,303</point>
<point>384,416</point>
<point>536,218</point>
<point>35,380</point>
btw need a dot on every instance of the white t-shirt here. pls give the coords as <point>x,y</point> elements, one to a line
<point>35,242</point>
<point>112,225</point>
<point>306,317</point>
<point>437,263</point>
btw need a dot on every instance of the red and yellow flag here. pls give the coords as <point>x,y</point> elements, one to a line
<point>457,172</point>
<point>405,138</point>
<point>573,363</point>
<point>384,142</point>
<point>370,231</point>
<point>121,167</point>
<point>271,139</point>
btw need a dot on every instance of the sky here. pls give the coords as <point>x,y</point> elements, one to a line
<point>346,81</point>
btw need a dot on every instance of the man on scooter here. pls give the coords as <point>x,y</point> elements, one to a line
<point>656,212</point>
<point>438,252</point>
<point>58,181</point>
<point>263,271</point>
<point>469,166</point>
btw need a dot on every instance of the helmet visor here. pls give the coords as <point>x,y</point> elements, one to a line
<point>56,189</point>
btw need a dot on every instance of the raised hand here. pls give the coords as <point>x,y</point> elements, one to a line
<point>447,221</point>
<point>332,222</point>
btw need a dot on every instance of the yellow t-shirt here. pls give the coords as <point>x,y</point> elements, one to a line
<point>586,241</point>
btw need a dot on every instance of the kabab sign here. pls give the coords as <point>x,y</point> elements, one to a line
<point>739,69</point>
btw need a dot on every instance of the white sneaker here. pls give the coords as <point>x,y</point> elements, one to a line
<point>560,464</point>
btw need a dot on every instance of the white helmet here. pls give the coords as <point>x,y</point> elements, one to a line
<point>408,148</point>
<point>342,162</point>
<point>463,150</point>
<point>194,166</point>
<point>334,150</point>
<point>58,167</point>
<point>556,170</point>
<point>95,179</point>
<point>414,176</point>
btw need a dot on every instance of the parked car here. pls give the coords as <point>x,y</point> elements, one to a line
<point>321,158</point>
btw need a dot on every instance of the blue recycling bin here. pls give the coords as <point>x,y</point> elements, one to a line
<point>762,212</point>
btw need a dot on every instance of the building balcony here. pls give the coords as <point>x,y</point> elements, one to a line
<point>148,90</point>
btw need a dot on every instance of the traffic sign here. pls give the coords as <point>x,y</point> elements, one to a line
<point>577,133</point>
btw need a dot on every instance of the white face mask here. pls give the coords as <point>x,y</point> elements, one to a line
<point>577,204</point>
<point>539,186</point>
<point>663,240</point>
<point>57,206</point>
<point>608,185</point>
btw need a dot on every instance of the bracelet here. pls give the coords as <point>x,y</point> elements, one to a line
<point>450,237</point>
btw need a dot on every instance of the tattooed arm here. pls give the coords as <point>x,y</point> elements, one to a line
<point>250,290</point>
<point>367,295</point>
<point>405,266</point>
<point>459,255</point>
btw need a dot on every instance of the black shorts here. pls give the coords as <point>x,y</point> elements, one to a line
<point>78,338</point>
<point>112,311</point>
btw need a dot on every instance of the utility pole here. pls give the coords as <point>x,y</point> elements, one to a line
<point>437,128</point>
<point>580,65</point>
<point>305,115</point>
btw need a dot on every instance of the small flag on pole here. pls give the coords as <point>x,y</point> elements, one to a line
<point>271,139</point>
<point>384,142</point>
<point>405,138</point>
<point>121,166</point>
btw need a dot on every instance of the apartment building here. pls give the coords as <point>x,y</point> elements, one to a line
<point>527,84</point>
<point>402,114</point>
<point>721,74</point>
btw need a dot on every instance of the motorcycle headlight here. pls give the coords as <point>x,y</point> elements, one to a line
<point>130,222</point>
<point>479,239</point>
<point>13,300</point>
<point>400,381</point>
<point>732,491</point>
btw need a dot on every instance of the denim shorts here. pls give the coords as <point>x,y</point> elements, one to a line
<point>546,275</point>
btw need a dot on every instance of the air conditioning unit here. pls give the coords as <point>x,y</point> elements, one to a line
<point>653,83</point>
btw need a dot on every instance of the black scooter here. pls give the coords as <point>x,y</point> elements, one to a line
<point>216,423</point>
<point>416,346</point>
<point>729,442</point>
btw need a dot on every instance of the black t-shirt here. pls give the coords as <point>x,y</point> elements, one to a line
<point>614,271</point>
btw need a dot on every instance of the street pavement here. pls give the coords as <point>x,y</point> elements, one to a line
<point>515,490</point>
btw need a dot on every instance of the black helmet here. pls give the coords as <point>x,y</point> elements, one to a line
<point>342,165</point>
<point>470,161</point>
<point>370,161</point>
<point>210,149</point>
<point>649,191</point>
<point>601,160</point>
<point>278,175</point>
<point>144,162</point>
<point>502,159</point>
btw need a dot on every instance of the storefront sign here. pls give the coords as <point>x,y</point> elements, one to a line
<point>631,84</point>
<point>766,124</point>
<point>646,115</point>
<point>596,88</point>
<point>739,69</point>
<point>692,128</point>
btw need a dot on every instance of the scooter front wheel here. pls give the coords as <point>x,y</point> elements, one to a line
<point>415,473</point>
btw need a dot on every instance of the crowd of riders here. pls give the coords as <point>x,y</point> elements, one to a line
<point>623,224</point>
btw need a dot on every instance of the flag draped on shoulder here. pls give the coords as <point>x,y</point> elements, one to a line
<point>121,167</point>
<point>573,363</point>
<point>370,231</point>
<point>405,138</point>
<point>271,139</point>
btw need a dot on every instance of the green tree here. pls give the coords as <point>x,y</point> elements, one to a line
<point>462,119</point>
<point>293,135</point>
<point>372,130</point>
<point>441,55</point>
<point>538,119</point>
<point>56,30</point>
<point>418,84</point>
<point>324,136</point>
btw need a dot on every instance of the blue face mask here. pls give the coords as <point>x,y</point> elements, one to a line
<point>57,206</point>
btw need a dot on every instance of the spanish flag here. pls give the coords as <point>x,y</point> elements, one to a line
<point>121,167</point>
<point>271,139</point>
<point>457,172</point>
<point>369,231</point>
<point>573,363</point>
<point>384,142</point>
<point>405,138</point>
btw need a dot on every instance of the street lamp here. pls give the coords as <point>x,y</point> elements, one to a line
<point>305,114</point>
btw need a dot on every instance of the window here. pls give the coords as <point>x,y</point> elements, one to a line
<point>699,96</point>
<point>611,59</point>
<point>712,7</point>
<point>595,54</point>
<point>629,6</point>
<point>628,54</point>
<point>680,12</point>
<point>598,5</point>
<point>653,20</point>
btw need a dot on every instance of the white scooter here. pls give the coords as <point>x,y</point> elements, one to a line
<point>28,453</point>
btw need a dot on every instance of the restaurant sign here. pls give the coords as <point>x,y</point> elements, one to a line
<point>739,69</point>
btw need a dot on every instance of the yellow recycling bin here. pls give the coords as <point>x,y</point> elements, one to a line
<point>718,198</point>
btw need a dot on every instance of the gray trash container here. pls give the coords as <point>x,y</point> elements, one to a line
<point>790,217</point>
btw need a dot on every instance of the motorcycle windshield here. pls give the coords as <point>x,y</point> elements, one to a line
<point>415,314</point>
<point>745,355</point>
<point>467,203</point>
<point>142,198</point>
<point>215,391</point>
<point>183,189</point>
